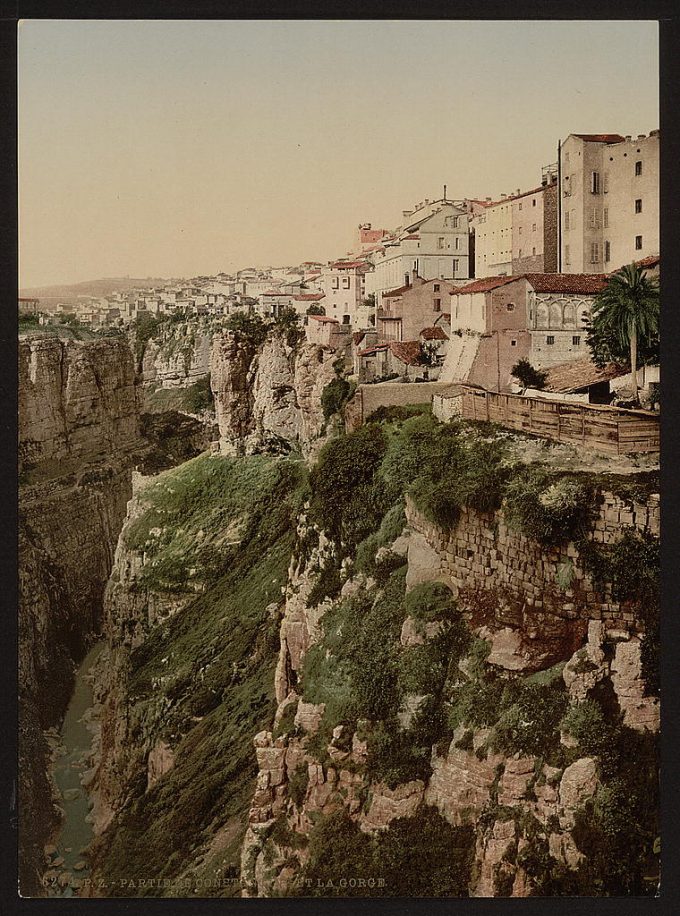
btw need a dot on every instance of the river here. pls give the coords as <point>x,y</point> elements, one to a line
<point>68,870</point>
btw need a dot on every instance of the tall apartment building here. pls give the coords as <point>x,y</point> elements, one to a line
<point>432,243</point>
<point>518,233</point>
<point>609,201</point>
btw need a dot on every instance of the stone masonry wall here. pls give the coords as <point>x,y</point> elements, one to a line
<point>537,601</point>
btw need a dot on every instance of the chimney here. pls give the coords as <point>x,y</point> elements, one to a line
<point>628,137</point>
<point>518,192</point>
<point>406,213</point>
<point>444,192</point>
<point>642,136</point>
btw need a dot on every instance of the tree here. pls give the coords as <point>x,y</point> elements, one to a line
<point>315,309</point>
<point>527,376</point>
<point>625,321</point>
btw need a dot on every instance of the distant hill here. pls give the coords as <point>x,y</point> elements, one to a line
<point>103,287</point>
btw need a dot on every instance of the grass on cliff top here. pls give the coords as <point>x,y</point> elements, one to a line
<point>203,681</point>
<point>196,516</point>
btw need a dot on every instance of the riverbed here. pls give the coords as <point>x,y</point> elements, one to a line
<point>68,870</point>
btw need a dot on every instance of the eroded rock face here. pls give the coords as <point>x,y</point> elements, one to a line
<point>180,358</point>
<point>78,430</point>
<point>269,400</point>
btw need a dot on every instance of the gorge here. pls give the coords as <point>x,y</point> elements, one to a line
<point>405,660</point>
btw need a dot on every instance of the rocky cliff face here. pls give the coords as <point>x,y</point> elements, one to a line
<point>540,643</point>
<point>269,399</point>
<point>78,426</point>
<point>179,356</point>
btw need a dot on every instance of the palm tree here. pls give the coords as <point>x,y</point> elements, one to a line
<point>627,311</point>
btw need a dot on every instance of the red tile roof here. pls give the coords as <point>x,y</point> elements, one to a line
<point>433,334</point>
<point>578,374</point>
<point>393,293</point>
<point>567,283</point>
<point>309,297</point>
<point>325,319</point>
<point>652,261</point>
<point>275,292</point>
<point>483,285</point>
<point>347,265</point>
<point>601,138</point>
<point>371,351</point>
<point>407,351</point>
<point>412,238</point>
<point>358,336</point>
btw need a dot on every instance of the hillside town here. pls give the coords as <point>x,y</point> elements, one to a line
<point>461,290</point>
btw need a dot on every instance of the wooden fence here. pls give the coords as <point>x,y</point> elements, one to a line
<point>604,429</point>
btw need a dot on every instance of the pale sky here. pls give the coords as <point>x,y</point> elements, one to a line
<point>181,148</point>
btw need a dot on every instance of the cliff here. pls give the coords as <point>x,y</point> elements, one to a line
<point>77,430</point>
<point>192,636</point>
<point>179,354</point>
<point>268,398</point>
<point>463,677</point>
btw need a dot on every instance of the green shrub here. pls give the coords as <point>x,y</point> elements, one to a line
<point>334,396</point>
<point>327,585</point>
<point>199,397</point>
<point>397,414</point>
<point>249,327</point>
<point>345,502</point>
<point>547,510</point>
<point>527,376</point>
<point>587,723</point>
<point>430,601</point>
<point>529,720</point>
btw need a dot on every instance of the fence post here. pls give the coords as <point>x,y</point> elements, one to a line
<point>486,401</point>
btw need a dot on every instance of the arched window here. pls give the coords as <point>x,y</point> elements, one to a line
<point>541,315</point>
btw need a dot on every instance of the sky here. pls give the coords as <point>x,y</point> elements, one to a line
<point>179,148</point>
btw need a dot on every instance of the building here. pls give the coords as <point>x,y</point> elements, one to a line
<point>496,321</point>
<point>367,238</point>
<point>518,233</point>
<point>407,310</point>
<point>609,201</point>
<point>344,286</point>
<point>432,243</point>
<point>327,332</point>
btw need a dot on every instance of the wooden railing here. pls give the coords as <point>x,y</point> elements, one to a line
<point>601,428</point>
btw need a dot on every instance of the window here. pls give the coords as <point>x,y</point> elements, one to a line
<point>519,253</point>
<point>594,218</point>
<point>607,252</point>
<point>335,283</point>
<point>566,219</point>
<point>594,252</point>
<point>436,287</point>
<point>437,305</point>
<point>638,243</point>
<point>605,217</point>
<point>605,183</point>
<point>513,343</point>
<point>440,242</point>
<point>533,252</point>
<point>533,202</point>
<point>456,220</point>
<point>594,182</point>
<point>550,340</point>
<point>456,262</point>
<point>638,167</point>
<point>520,206</point>
<point>576,341</point>
<point>345,282</point>
<point>638,205</point>
<point>566,255</point>
<point>510,307</point>
<point>520,230</point>
<point>533,227</point>
<point>457,245</point>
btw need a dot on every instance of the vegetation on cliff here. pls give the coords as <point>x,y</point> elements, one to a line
<point>202,681</point>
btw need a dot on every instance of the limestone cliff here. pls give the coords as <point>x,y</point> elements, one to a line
<point>78,426</point>
<point>541,641</point>
<point>179,355</point>
<point>269,398</point>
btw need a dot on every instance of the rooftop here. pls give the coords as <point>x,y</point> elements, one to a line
<point>434,333</point>
<point>580,373</point>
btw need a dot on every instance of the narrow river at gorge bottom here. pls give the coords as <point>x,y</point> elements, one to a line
<point>67,868</point>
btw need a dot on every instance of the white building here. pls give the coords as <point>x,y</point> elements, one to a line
<point>432,243</point>
<point>344,286</point>
<point>609,201</point>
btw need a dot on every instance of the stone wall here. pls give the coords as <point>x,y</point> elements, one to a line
<point>536,601</point>
<point>368,398</point>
